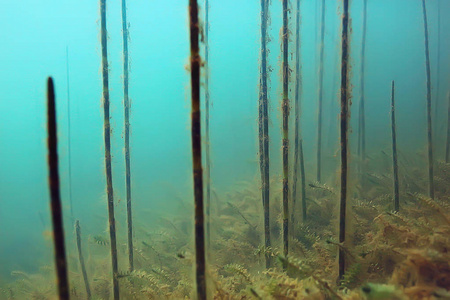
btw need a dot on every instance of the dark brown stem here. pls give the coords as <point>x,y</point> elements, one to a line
<point>345,95</point>
<point>126,104</point>
<point>394,151</point>
<point>207,139</point>
<point>285,111</point>
<point>319,119</point>
<point>55,194</point>
<point>81,258</point>
<point>263,125</point>
<point>107,138</point>
<point>429,122</point>
<point>197,151</point>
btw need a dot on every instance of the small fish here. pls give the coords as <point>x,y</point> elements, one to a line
<point>100,240</point>
<point>321,186</point>
<point>180,255</point>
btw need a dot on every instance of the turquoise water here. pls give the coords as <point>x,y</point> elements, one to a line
<point>42,39</point>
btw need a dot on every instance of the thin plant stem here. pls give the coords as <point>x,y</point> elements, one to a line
<point>55,194</point>
<point>107,141</point>
<point>263,125</point>
<point>81,259</point>
<point>126,104</point>
<point>207,130</point>
<point>69,146</point>
<point>429,121</point>
<point>447,146</point>
<point>298,153</point>
<point>394,151</point>
<point>285,112</point>
<point>362,99</point>
<point>345,94</point>
<point>195,61</point>
<point>320,101</point>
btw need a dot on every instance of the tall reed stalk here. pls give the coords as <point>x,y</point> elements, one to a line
<point>394,151</point>
<point>298,154</point>
<point>429,121</point>
<point>207,131</point>
<point>320,101</point>
<point>285,111</point>
<point>345,95</point>
<point>362,99</point>
<point>263,125</point>
<point>195,61</point>
<point>55,194</point>
<point>447,146</point>
<point>438,66</point>
<point>69,135</point>
<point>107,141</point>
<point>126,104</point>
<point>81,259</point>
<point>302,173</point>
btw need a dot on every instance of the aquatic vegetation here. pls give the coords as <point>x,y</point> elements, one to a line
<point>401,255</point>
<point>374,223</point>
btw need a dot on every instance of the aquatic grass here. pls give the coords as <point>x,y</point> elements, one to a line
<point>320,99</point>
<point>394,151</point>
<point>126,104</point>
<point>429,120</point>
<point>263,126</point>
<point>195,61</point>
<point>107,141</point>
<point>285,112</point>
<point>379,247</point>
<point>55,194</point>
<point>345,95</point>
<point>81,259</point>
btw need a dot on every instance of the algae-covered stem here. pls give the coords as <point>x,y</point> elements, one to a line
<point>394,151</point>
<point>107,138</point>
<point>298,154</point>
<point>430,128</point>
<point>207,139</point>
<point>55,194</point>
<point>447,146</point>
<point>285,110</point>
<point>263,125</point>
<point>126,104</point>
<point>345,94</point>
<point>197,151</point>
<point>362,99</point>
<point>81,259</point>
<point>69,146</point>
<point>319,119</point>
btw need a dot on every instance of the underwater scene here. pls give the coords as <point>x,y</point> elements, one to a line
<point>239,149</point>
